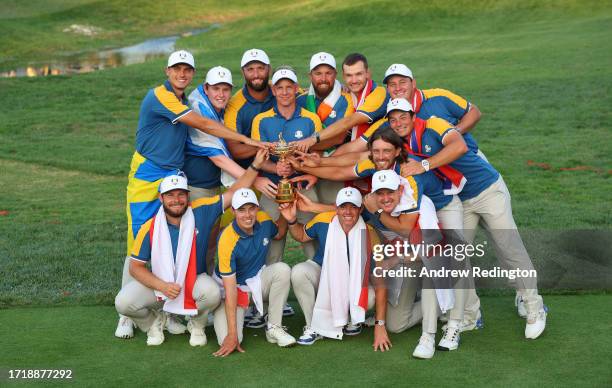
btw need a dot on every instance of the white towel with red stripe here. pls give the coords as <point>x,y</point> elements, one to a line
<point>181,270</point>
<point>340,293</point>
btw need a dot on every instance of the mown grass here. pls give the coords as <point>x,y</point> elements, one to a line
<point>572,352</point>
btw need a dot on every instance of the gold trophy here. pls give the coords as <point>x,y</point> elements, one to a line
<point>282,149</point>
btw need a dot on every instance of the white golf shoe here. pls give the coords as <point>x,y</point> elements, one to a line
<point>195,326</point>
<point>277,335</point>
<point>309,337</point>
<point>125,327</point>
<point>467,325</point>
<point>173,325</point>
<point>426,347</point>
<point>536,323</point>
<point>519,303</point>
<point>155,335</point>
<point>450,339</point>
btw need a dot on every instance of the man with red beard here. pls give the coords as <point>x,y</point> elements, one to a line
<point>326,98</point>
<point>369,101</point>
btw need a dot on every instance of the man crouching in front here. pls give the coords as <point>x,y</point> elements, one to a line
<point>241,269</point>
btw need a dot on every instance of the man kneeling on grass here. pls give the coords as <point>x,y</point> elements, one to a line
<point>241,269</point>
<point>334,289</point>
<point>174,242</point>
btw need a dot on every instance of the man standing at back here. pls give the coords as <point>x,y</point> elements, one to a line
<point>369,101</point>
<point>254,97</point>
<point>326,98</point>
<point>293,123</point>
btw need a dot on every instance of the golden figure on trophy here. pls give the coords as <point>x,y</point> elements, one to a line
<point>285,192</point>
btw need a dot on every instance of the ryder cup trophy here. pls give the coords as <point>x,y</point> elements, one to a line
<point>285,192</point>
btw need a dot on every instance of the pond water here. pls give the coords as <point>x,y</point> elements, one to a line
<point>85,62</point>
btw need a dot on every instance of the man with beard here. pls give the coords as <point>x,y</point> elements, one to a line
<point>444,104</point>
<point>387,152</point>
<point>326,98</point>
<point>161,136</point>
<point>254,97</point>
<point>484,196</point>
<point>368,99</point>
<point>174,242</point>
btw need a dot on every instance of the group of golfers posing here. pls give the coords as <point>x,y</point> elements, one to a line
<point>368,165</point>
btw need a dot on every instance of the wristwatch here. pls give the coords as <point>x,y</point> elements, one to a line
<point>379,322</point>
<point>425,164</point>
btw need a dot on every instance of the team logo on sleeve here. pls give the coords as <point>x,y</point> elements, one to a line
<point>427,148</point>
<point>265,241</point>
<point>332,114</point>
<point>299,134</point>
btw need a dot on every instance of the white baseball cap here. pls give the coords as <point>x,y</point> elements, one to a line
<point>399,104</point>
<point>284,74</point>
<point>219,75</point>
<point>397,69</point>
<point>173,182</point>
<point>322,58</point>
<point>254,55</point>
<point>385,179</point>
<point>181,56</point>
<point>348,194</point>
<point>242,197</point>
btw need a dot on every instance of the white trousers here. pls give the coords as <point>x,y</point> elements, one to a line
<point>137,301</point>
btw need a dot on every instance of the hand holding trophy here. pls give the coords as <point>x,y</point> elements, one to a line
<point>285,192</point>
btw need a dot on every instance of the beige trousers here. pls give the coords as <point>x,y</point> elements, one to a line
<point>407,312</point>
<point>493,210</point>
<point>305,282</point>
<point>277,247</point>
<point>467,302</point>
<point>275,284</point>
<point>137,301</point>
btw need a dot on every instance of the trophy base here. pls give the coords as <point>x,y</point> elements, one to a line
<point>285,192</point>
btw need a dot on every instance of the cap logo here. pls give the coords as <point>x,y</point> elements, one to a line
<point>382,178</point>
<point>395,102</point>
<point>348,193</point>
<point>222,74</point>
<point>182,55</point>
<point>283,72</point>
<point>323,57</point>
<point>393,68</point>
<point>174,181</point>
<point>254,53</point>
<point>244,194</point>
